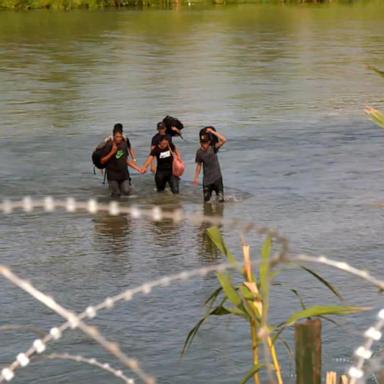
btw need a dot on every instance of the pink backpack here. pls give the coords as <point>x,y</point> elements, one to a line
<point>177,166</point>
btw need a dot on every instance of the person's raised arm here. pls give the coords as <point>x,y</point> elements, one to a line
<point>108,156</point>
<point>222,139</point>
<point>197,173</point>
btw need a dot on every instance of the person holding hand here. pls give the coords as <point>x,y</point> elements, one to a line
<point>116,161</point>
<point>164,151</point>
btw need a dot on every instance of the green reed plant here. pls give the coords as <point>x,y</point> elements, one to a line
<point>375,115</point>
<point>250,301</point>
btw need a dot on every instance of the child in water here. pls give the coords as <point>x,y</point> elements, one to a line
<point>206,155</point>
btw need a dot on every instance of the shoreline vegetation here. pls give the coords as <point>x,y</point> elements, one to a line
<point>67,5</point>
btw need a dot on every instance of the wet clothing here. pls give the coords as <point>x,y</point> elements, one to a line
<point>212,178</point>
<point>156,139</point>
<point>164,177</point>
<point>217,187</point>
<point>117,172</point>
<point>118,188</point>
<point>164,157</point>
<point>211,166</point>
<point>164,169</point>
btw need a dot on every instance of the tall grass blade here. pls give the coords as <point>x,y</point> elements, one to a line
<point>212,298</point>
<point>319,310</point>
<point>378,71</point>
<point>229,290</point>
<point>256,368</point>
<point>264,273</point>
<point>215,236</point>
<point>299,297</point>
<point>376,116</point>
<point>218,311</point>
<point>325,282</point>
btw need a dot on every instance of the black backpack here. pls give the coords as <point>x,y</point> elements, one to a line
<point>101,150</point>
<point>214,139</point>
<point>170,122</point>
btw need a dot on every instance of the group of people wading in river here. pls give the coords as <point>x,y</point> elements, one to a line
<point>116,152</point>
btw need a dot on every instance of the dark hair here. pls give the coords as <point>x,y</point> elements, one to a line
<point>118,128</point>
<point>161,125</point>
<point>163,137</point>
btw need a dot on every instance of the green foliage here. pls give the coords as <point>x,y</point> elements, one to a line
<point>325,282</point>
<point>98,4</point>
<point>376,116</point>
<point>216,238</point>
<point>264,272</point>
<point>319,310</point>
<point>256,368</point>
<point>378,71</point>
<point>239,300</point>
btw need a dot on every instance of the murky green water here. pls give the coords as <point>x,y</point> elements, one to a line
<point>286,85</point>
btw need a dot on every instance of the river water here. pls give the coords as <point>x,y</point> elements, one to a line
<point>285,84</point>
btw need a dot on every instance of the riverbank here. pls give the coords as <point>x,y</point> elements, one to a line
<point>162,4</point>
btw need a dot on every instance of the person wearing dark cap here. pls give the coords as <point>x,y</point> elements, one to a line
<point>206,157</point>
<point>116,163</point>
<point>164,152</point>
<point>161,132</point>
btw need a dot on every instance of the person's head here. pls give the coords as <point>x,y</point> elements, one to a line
<point>161,128</point>
<point>205,141</point>
<point>163,142</point>
<point>118,133</point>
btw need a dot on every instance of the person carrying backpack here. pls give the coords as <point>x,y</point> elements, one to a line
<point>131,151</point>
<point>206,157</point>
<point>115,161</point>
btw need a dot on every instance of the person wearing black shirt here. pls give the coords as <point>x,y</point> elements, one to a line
<point>116,161</point>
<point>163,152</point>
<point>131,151</point>
<point>161,131</point>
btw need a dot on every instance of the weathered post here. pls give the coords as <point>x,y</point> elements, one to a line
<point>308,352</point>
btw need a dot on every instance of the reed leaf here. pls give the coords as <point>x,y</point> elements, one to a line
<point>376,116</point>
<point>215,236</point>
<point>229,290</point>
<point>264,273</point>
<point>212,298</point>
<point>247,294</point>
<point>378,71</point>
<point>319,310</point>
<point>256,368</point>
<point>297,294</point>
<point>325,282</point>
<point>220,310</point>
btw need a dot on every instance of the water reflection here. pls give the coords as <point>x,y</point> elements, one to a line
<point>112,233</point>
<point>167,231</point>
<point>208,251</point>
